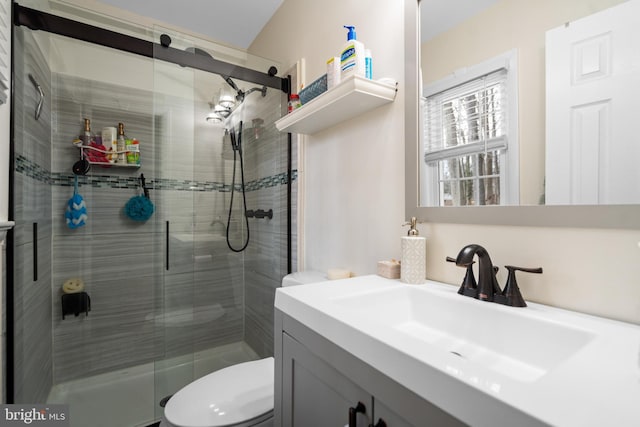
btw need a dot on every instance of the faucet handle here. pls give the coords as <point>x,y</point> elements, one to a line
<point>511,294</point>
<point>469,286</point>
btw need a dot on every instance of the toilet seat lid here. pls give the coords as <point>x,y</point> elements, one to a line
<point>229,396</point>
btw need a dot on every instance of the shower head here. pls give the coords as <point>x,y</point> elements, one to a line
<point>239,92</point>
<point>262,90</point>
<point>242,94</point>
<point>202,52</point>
<point>218,115</point>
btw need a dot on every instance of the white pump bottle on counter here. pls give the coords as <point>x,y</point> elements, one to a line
<point>413,263</point>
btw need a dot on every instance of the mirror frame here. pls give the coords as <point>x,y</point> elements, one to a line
<point>584,216</point>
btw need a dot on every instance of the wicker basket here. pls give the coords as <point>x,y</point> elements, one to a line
<point>316,88</point>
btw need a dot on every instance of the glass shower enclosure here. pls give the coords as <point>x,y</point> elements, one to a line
<point>163,299</point>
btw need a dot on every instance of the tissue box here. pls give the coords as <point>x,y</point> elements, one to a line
<point>389,269</point>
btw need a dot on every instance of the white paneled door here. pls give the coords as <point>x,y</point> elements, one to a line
<point>593,109</point>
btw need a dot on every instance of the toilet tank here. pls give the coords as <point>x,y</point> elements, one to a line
<point>303,278</point>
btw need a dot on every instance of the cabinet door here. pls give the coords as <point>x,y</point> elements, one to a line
<point>422,414</point>
<point>383,416</point>
<point>315,394</point>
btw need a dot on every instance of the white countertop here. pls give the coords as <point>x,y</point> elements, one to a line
<point>5,225</point>
<point>578,370</point>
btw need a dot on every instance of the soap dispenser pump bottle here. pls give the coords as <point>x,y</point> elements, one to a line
<point>352,56</point>
<point>413,263</point>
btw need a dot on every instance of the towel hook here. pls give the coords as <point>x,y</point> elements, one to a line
<point>144,186</point>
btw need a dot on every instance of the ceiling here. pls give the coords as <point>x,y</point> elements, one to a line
<point>238,22</point>
<point>232,22</point>
<point>437,16</point>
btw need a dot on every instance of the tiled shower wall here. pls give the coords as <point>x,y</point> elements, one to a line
<point>119,261</point>
<point>265,261</point>
<point>147,306</point>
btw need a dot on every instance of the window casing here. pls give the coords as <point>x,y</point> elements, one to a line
<point>469,141</point>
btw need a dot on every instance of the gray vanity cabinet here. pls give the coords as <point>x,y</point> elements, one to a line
<point>317,383</point>
<point>317,394</point>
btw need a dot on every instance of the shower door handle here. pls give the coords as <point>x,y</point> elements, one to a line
<point>40,99</point>
<point>34,231</point>
<point>166,255</point>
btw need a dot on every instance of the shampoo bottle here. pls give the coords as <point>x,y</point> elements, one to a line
<point>413,264</point>
<point>122,145</point>
<point>368,64</point>
<point>352,60</point>
<point>87,137</point>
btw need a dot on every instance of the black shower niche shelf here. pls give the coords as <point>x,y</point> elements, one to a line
<point>114,165</point>
<point>107,164</point>
<point>76,303</point>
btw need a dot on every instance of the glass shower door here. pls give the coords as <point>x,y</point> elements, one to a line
<point>220,311</point>
<point>170,301</point>
<point>173,109</point>
<point>96,357</point>
<point>30,292</point>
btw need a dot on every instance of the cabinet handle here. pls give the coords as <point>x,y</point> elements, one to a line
<point>380,423</point>
<point>353,413</point>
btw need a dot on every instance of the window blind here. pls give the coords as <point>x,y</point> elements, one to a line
<point>5,40</point>
<point>470,117</point>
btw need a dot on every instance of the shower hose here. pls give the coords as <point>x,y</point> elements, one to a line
<point>236,145</point>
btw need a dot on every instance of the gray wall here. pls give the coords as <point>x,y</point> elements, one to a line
<point>266,258</point>
<point>119,261</point>
<point>135,300</point>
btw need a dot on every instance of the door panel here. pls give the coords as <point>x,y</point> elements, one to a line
<point>593,96</point>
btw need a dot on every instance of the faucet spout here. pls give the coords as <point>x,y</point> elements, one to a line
<point>487,283</point>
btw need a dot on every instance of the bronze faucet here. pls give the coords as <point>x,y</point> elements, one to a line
<point>487,288</point>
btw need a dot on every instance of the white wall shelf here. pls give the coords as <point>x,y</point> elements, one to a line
<point>4,227</point>
<point>352,97</point>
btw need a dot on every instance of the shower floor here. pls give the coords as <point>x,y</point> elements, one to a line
<point>129,397</point>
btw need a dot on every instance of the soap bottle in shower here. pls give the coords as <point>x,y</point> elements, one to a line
<point>86,135</point>
<point>413,264</point>
<point>122,144</point>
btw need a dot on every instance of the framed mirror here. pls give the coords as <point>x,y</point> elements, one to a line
<point>463,40</point>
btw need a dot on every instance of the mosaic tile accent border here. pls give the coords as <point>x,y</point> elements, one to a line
<point>40,174</point>
<point>32,170</point>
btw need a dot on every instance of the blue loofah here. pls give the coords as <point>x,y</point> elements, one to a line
<point>76,213</point>
<point>139,208</point>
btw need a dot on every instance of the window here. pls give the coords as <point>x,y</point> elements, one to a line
<point>469,138</point>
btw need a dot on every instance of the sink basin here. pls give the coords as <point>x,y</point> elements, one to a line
<point>504,339</point>
<point>476,360</point>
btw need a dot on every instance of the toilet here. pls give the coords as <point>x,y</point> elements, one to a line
<point>237,396</point>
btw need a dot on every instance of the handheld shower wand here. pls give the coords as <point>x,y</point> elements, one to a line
<point>236,145</point>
